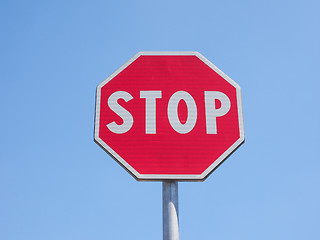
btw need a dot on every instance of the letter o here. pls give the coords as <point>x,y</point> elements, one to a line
<point>173,112</point>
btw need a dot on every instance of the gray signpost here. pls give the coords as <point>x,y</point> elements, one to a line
<point>170,210</point>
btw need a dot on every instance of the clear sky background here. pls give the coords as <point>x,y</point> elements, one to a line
<point>57,184</point>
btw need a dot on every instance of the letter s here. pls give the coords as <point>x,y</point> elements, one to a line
<point>121,112</point>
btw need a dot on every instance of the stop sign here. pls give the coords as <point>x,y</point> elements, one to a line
<point>169,116</point>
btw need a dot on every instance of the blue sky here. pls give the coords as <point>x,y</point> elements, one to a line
<point>56,183</point>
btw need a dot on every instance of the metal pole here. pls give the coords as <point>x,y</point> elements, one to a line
<point>170,210</point>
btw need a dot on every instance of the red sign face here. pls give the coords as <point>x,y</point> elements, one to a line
<point>169,115</point>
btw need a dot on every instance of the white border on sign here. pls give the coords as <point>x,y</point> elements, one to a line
<point>177,177</point>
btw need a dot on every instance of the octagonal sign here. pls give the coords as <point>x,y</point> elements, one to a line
<point>169,116</point>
